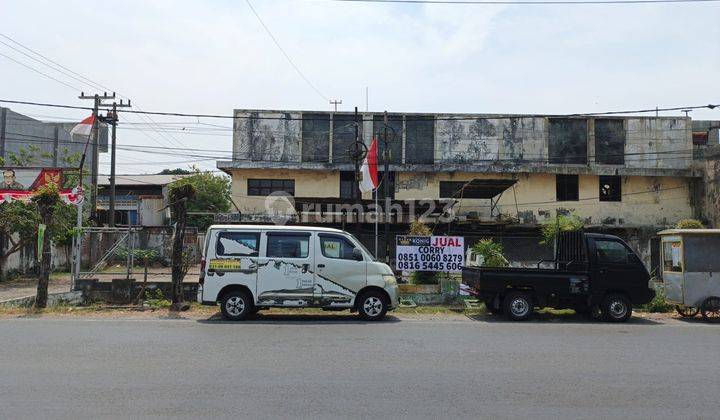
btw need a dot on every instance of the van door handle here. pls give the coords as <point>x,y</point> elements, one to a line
<point>321,266</point>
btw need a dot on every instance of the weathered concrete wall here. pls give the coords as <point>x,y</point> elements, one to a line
<point>656,201</point>
<point>274,138</point>
<point>707,194</point>
<point>658,143</point>
<point>24,261</point>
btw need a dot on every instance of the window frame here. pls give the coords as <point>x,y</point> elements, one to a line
<point>301,234</point>
<point>321,236</point>
<point>662,254</point>
<point>267,184</point>
<point>242,232</point>
<point>627,250</point>
<point>616,197</point>
<point>558,178</point>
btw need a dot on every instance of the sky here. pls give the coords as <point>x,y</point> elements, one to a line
<point>215,56</point>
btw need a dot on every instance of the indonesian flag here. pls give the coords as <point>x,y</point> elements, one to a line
<point>369,170</point>
<point>84,128</point>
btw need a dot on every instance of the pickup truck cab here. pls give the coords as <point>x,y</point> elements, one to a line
<point>591,273</point>
<point>246,268</point>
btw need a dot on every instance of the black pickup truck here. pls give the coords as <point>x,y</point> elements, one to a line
<point>591,273</point>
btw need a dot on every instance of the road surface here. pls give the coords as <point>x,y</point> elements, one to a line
<point>299,367</point>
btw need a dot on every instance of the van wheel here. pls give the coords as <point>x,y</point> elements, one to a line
<point>372,306</point>
<point>616,308</point>
<point>518,306</point>
<point>236,305</point>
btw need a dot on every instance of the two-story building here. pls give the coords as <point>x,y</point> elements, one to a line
<point>499,175</point>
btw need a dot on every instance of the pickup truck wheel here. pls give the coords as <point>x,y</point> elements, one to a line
<point>616,308</point>
<point>518,306</point>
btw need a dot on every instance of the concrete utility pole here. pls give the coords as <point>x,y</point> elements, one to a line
<point>386,181</point>
<point>98,102</point>
<point>113,119</point>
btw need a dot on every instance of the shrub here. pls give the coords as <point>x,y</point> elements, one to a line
<point>658,303</point>
<point>156,300</point>
<point>492,253</point>
<point>417,228</point>
<point>689,224</point>
<point>560,223</point>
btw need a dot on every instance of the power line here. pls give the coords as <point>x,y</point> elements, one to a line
<point>40,72</point>
<point>282,50</point>
<point>524,2</point>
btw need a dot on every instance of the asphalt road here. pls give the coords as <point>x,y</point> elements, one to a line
<point>69,368</point>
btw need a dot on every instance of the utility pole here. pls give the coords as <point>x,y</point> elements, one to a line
<point>386,187</point>
<point>112,118</point>
<point>335,102</point>
<point>357,152</point>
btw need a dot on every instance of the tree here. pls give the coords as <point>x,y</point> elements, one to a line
<point>689,224</point>
<point>46,199</point>
<point>180,195</point>
<point>18,226</point>
<point>212,195</point>
<point>418,228</point>
<point>176,171</point>
<point>492,253</point>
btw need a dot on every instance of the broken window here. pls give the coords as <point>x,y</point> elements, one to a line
<point>315,137</point>
<point>348,184</point>
<point>394,142</point>
<point>567,140</point>
<point>566,187</point>
<point>419,139</point>
<point>454,189</point>
<point>609,141</point>
<point>610,188</point>
<point>264,187</point>
<point>344,136</point>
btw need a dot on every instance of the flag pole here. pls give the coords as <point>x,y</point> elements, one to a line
<point>377,216</point>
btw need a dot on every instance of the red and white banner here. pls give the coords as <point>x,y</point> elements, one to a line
<point>369,181</point>
<point>20,184</point>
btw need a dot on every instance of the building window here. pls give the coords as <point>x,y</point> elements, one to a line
<point>263,187</point>
<point>315,137</point>
<point>344,136</point>
<point>419,139</point>
<point>567,140</point>
<point>609,141</point>
<point>566,187</point>
<point>395,125</point>
<point>457,190</point>
<point>610,188</point>
<point>348,185</point>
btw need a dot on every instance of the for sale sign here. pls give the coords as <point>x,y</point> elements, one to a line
<point>429,253</point>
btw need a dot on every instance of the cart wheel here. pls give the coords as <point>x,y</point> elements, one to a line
<point>686,311</point>
<point>710,309</point>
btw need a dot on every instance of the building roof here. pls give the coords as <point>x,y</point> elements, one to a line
<point>140,179</point>
<point>690,232</point>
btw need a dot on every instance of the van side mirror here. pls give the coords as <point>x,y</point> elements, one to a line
<point>357,254</point>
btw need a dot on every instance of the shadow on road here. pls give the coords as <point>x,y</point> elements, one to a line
<point>550,318</point>
<point>299,318</point>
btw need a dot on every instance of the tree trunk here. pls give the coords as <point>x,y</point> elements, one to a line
<point>45,265</point>
<point>177,252</point>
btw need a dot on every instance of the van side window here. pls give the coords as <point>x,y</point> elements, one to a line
<point>287,245</point>
<point>244,244</point>
<point>333,246</point>
<point>611,252</point>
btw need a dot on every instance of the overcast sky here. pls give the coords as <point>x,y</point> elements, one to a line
<point>214,56</point>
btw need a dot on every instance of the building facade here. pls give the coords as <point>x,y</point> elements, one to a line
<point>493,172</point>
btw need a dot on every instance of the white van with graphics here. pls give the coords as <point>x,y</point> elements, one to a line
<point>250,267</point>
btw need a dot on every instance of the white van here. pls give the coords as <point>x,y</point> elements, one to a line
<point>250,267</point>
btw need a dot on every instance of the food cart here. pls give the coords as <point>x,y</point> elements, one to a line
<point>691,271</point>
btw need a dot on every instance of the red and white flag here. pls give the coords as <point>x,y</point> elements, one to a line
<point>369,170</point>
<point>84,128</point>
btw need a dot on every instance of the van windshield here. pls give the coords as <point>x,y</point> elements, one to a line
<point>360,244</point>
